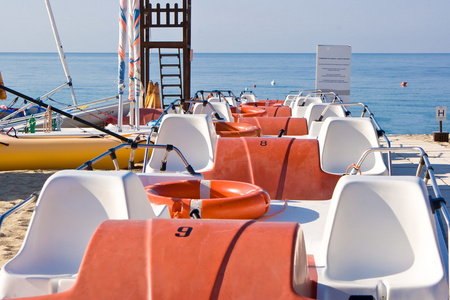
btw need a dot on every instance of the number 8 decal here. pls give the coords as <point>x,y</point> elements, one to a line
<point>183,231</point>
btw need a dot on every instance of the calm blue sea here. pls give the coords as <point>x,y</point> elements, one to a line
<point>375,80</point>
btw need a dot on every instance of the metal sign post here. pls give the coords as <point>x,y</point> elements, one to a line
<point>441,115</point>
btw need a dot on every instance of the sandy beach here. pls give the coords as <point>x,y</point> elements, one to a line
<point>18,185</point>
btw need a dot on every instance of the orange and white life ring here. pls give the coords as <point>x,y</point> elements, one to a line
<point>232,129</point>
<point>247,112</point>
<point>210,199</point>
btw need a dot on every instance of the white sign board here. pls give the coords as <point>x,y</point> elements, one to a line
<point>441,113</point>
<point>333,70</point>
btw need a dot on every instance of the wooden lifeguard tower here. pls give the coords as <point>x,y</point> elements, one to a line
<point>174,55</point>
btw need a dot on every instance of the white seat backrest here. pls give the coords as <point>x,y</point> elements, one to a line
<point>314,110</point>
<point>248,98</point>
<point>231,101</point>
<point>380,228</point>
<point>290,99</point>
<point>342,141</point>
<point>214,99</point>
<point>305,101</point>
<point>70,207</point>
<point>194,135</point>
<point>295,101</point>
<point>175,110</point>
<point>300,105</point>
<point>298,111</point>
<point>222,108</point>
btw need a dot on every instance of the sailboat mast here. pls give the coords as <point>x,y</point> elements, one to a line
<point>122,57</point>
<point>62,56</point>
<point>135,16</point>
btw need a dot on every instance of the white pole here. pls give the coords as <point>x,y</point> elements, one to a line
<point>62,56</point>
<point>137,63</point>
<point>131,63</point>
<point>122,58</point>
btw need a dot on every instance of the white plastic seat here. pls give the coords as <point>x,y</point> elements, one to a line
<point>300,105</point>
<point>231,101</point>
<point>175,110</point>
<point>380,240</point>
<point>342,141</point>
<point>214,99</point>
<point>314,110</point>
<point>194,135</point>
<point>290,99</point>
<point>70,207</point>
<point>222,108</point>
<point>294,102</point>
<point>246,98</point>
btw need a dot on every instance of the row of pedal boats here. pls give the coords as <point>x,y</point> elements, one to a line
<point>301,207</point>
<point>69,147</point>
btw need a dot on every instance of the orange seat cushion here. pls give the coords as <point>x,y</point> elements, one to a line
<point>286,168</point>
<point>280,111</point>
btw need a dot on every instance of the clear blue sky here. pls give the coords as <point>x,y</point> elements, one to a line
<point>296,26</point>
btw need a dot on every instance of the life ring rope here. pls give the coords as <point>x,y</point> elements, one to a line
<point>354,166</point>
<point>274,214</point>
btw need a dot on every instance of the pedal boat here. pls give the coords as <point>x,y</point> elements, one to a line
<point>338,224</point>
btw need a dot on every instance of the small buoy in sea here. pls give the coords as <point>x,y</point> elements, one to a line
<point>273,82</point>
<point>404,83</point>
<point>246,89</point>
<point>254,85</point>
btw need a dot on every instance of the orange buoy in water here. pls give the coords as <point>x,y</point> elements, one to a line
<point>404,83</point>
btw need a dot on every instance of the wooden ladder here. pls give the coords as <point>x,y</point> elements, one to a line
<point>175,54</point>
<point>170,76</point>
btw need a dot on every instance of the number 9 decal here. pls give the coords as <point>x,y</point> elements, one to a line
<point>183,231</point>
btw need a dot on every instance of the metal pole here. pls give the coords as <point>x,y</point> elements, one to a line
<point>62,56</point>
<point>31,198</point>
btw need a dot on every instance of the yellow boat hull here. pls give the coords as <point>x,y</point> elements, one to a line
<point>60,153</point>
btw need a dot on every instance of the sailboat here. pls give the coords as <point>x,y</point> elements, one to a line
<point>61,138</point>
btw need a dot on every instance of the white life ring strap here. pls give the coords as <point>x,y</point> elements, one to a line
<point>205,193</point>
